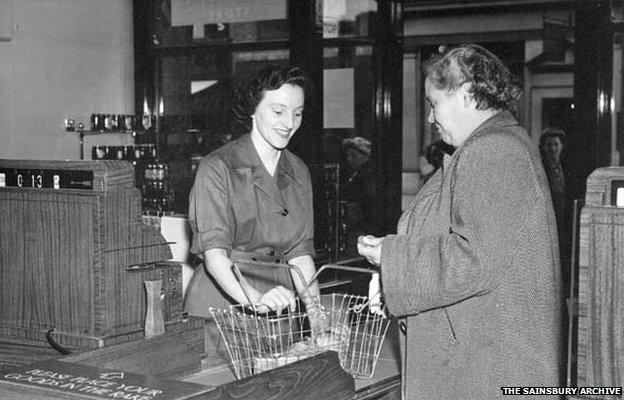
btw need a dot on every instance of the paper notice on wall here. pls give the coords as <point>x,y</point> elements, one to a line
<point>338,98</point>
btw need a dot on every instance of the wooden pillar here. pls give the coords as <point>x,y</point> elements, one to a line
<point>593,75</point>
<point>306,51</point>
<point>387,150</point>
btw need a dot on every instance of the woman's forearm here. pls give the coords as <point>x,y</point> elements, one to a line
<point>219,266</point>
<point>308,269</point>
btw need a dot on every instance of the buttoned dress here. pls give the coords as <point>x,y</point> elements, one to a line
<point>236,205</point>
<point>474,272</point>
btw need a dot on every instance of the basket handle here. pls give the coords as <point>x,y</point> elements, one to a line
<point>342,267</point>
<point>245,285</point>
<point>369,270</point>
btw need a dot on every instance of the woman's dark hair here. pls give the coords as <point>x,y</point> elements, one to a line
<point>491,83</point>
<point>249,93</point>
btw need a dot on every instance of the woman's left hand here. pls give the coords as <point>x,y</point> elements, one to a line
<point>370,248</point>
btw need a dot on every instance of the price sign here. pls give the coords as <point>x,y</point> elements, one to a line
<point>46,178</point>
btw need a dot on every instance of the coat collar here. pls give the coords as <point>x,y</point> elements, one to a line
<point>499,120</point>
<point>494,123</point>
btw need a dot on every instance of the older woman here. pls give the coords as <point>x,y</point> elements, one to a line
<point>252,201</point>
<point>474,268</point>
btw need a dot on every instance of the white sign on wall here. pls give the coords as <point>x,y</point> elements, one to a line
<point>338,98</point>
<point>203,12</point>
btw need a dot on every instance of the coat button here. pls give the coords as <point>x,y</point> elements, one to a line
<point>285,212</point>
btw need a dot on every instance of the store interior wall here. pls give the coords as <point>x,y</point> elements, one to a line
<point>71,58</point>
<point>62,58</point>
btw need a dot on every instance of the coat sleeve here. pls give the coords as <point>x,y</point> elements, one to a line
<point>493,192</point>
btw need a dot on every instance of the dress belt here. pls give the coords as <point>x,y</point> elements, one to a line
<point>262,255</point>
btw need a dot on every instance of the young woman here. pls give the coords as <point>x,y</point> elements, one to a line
<point>252,201</point>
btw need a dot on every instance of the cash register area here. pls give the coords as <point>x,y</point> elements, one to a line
<point>97,285</point>
<point>217,369</point>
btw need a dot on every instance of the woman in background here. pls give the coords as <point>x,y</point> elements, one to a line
<point>552,146</point>
<point>474,268</point>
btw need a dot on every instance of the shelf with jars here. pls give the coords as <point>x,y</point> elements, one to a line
<point>121,123</point>
<point>151,175</point>
<point>156,189</point>
<point>109,123</point>
<point>139,153</point>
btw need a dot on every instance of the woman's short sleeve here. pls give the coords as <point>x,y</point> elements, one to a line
<point>208,207</point>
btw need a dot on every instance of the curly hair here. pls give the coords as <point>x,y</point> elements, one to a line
<point>250,92</point>
<point>492,85</point>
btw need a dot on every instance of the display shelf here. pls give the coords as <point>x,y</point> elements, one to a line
<point>82,133</point>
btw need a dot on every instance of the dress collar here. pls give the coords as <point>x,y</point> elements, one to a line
<point>244,155</point>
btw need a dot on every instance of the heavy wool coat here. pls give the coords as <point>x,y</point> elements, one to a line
<point>474,268</point>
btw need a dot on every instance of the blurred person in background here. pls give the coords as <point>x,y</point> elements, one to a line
<point>552,146</point>
<point>359,186</point>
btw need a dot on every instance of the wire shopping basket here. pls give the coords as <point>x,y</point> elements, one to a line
<point>258,341</point>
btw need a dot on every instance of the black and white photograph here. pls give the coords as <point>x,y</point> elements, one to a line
<point>311,199</point>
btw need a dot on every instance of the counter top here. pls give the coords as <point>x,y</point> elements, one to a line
<point>175,355</point>
<point>385,380</point>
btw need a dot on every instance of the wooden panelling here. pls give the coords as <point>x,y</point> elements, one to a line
<point>171,355</point>
<point>64,254</point>
<point>601,285</point>
<point>601,298</point>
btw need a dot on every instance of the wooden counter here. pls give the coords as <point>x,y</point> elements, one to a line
<point>179,356</point>
<point>386,380</point>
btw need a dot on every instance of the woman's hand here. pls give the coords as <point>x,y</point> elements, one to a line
<point>276,299</point>
<point>369,247</point>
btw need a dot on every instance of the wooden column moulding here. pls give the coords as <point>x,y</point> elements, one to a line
<point>593,87</point>
<point>387,151</point>
<point>306,51</point>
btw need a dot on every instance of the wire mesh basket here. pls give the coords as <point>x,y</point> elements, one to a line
<point>258,342</point>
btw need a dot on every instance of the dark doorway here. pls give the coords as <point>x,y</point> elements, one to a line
<point>558,112</point>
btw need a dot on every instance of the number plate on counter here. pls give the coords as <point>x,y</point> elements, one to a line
<point>46,178</point>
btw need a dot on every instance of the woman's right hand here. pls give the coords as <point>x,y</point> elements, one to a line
<point>276,299</point>
<point>370,248</point>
